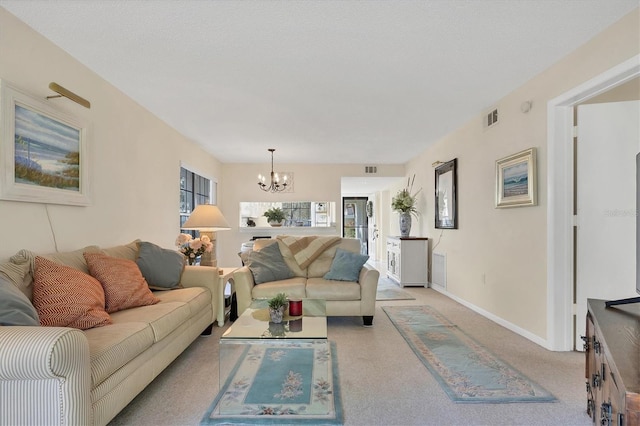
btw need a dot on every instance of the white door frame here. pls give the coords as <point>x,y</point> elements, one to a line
<point>560,246</point>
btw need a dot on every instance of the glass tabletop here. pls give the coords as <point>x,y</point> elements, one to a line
<point>254,323</point>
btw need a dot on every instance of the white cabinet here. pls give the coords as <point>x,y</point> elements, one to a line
<point>407,260</point>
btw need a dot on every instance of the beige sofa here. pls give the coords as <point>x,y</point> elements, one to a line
<point>342,298</point>
<point>65,376</point>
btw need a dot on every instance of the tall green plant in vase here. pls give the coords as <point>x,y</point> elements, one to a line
<point>405,204</point>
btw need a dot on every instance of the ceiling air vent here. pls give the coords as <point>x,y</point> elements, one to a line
<point>370,169</point>
<point>492,118</point>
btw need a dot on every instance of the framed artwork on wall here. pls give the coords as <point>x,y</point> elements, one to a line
<point>446,205</point>
<point>43,152</point>
<point>516,180</point>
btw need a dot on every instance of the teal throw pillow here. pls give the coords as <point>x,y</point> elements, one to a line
<point>346,266</point>
<point>161,268</point>
<point>268,265</point>
<point>15,307</point>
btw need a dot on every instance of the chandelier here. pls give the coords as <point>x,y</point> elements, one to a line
<point>274,185</point>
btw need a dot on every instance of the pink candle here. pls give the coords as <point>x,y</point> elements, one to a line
<point>295,307</point>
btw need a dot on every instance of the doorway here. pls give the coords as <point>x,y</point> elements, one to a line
<point>560,219</point>
<point>355,221</point>
<point>608,139</point>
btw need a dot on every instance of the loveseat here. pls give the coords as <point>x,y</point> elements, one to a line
<point>312,273</point>
<point>69,376</point>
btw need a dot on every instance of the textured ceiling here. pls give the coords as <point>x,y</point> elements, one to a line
<point>370,82</point>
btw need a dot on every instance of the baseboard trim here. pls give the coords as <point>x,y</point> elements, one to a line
<point>506,324</point>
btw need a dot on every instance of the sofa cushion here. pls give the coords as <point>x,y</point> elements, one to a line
<point>292,287</point>
<point>161,268</point>
<point>75,258</point>
<point>196,298</point>
<point>306,249</point>
<point>322,264</point>
<point>162,317</point>
<point>126,251</point>
<point>346,266</point>
<point>123,283</point>
<point>67,297</point>
<point>15,308</point>
<point>113,346</point>
<point>268,265</point>
<point>18,271</point>
<point>319,288</point>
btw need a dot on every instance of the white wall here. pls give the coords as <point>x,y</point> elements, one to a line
<point>134,157</point>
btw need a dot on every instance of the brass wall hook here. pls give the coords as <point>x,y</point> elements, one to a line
<point>67,94</point>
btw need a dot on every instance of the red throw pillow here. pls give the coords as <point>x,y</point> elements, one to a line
<point>67,297</point>
<point>123,283</point>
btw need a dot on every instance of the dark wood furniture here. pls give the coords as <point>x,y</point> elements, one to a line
<point>612,347</point>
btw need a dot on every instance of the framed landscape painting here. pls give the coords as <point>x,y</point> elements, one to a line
<point>516,180</point>
<point>44,152</point>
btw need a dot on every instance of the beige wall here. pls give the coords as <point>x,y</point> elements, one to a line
<point>496,260</point>
<point>312,182</point>
<point>134,157</point>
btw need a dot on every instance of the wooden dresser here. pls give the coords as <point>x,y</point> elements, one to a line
<point>612,347</point>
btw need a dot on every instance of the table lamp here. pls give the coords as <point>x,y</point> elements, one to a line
<point>207,218</point>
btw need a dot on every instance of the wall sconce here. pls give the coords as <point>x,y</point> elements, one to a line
<point>67,94</point>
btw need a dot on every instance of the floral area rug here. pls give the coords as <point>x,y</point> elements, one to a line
<point>389,290</point>
<point>287,382</point>
<point>467,372</point>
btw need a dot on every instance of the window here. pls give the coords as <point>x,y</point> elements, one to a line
<point>297,214</point>
<point>194,190</point>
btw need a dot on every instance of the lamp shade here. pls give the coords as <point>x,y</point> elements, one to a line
<point>206,217</point>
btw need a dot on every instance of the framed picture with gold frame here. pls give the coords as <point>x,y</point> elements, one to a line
<point>516,180</point>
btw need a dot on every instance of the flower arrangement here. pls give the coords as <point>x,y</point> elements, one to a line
<point>192,248</point>
<point>405,201</point>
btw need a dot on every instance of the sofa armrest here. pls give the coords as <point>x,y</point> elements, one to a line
<point>203,276</point>
<point>45,376</point>
<point>243,285</point>
<point>368,280</point>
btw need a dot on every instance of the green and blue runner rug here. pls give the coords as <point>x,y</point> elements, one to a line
<point>466,371</point>
<point>283,382</point>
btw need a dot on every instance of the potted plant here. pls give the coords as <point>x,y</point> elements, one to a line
<point>275,216</point>
<point>405,203</point>
<point>277,306</point>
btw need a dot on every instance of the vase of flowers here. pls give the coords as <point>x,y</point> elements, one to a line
<point>405,203</point>
<point>193,248</point>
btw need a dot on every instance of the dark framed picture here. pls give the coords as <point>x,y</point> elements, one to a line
<point>43,151</point>
<point>516,180</point>
<point>446,205</point>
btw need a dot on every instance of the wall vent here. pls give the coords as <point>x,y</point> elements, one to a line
<point>370,169</point>
<point>492,118</point>
<point>439,269</point>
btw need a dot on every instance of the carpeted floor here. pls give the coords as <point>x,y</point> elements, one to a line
<point>466,370</point>
<point>389,290</point>
<point>382,381</point>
